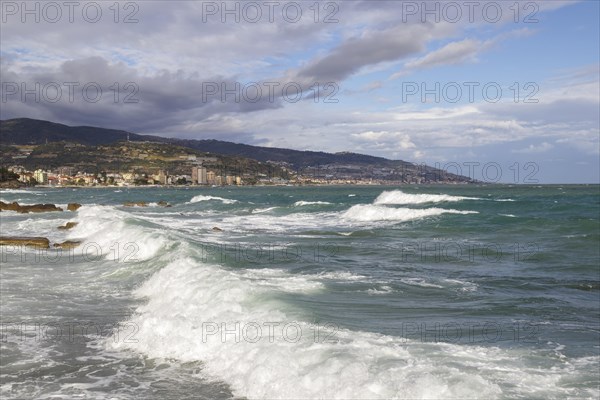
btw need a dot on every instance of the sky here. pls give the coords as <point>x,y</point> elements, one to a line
<point>504,91</point>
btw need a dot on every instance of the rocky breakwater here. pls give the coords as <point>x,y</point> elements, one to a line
<point>35,241</point>
<point>41,242</point>
<point>35,208</point>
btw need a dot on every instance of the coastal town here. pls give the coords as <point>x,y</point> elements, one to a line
<point>147,163</point>
<point>67,176</point>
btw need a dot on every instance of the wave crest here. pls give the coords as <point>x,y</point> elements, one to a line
<point>310,203</point>
<point>369,212</point>
<point>399,197</point>
<point>201,197</point>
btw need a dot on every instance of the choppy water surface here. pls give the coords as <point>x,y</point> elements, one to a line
<point>305,292</point>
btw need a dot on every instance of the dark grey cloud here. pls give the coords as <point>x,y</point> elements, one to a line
<point>373,47</point>
<point>126,99</point>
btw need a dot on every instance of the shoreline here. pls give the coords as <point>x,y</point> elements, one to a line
<point>186,187</point>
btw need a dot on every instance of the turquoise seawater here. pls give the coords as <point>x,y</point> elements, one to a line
<point>305,292</point>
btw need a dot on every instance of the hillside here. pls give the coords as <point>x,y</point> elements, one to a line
<point>34,131</point>
<point>123,156</point>
<point>25,131</point>
<point>30,131</point>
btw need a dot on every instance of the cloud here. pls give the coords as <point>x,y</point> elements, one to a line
<point>452,53</point>
<point>121,97</point>
<point>533,149</point>
<point>170,54</point>
<point>372,47</point>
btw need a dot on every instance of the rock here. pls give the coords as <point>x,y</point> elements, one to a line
<point>68,225</point>
<point>135,203</point>
<point>25,241</point>
<point>73,206</point>
<point>14,206</point>
<point>163,203</point>
<point>217,229</point>
<point>69,244</point>
<point>40,208</point>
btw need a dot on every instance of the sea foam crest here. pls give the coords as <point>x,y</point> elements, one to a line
<point>399,197</point>
<point>187,300</point>
<point>200,197</point>
<point>370,212</point>
<point>109,228</point>
<point>310,203</point>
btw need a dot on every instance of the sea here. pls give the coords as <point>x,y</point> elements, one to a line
<point>313,292</point>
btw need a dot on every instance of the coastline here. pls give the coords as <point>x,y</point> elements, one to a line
<point>187,187</point>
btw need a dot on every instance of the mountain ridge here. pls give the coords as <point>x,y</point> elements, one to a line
<point>20,131</point>
<point>27,131</point>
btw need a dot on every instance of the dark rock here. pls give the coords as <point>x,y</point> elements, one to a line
<point>73,206</point>
<point>69,244</point>
<point>14,206</point>
<point>25,241</point>
<point>135,203</point>
<point>217,229</point>
<point>68,225</point>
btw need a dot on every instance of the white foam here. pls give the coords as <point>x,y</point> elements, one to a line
<point>187,301</point>
<point>281,280</point>
<point>310,203</point>
<point>384,289</point>
<point>263,210</point>
<point>341,276</point>
<point>368,212</point>
<point>265,221</point>
<point>420,282</point>
<point>463,286</point>
<point>11,191</point>
<point>105,231</point>
<point>399,197</point>
<point>200,197</point>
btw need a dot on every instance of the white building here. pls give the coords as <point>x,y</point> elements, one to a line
<point>41,176</point>
<point>199,176</point>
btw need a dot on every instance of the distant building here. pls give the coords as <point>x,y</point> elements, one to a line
<point>229,180</point>
<point>128,177</point>
<point>25,176</point>
<point>199,176</point>
<point>41,177</point>
<point>17,169</point>
<point>66,171</point>
<point>162,177</point>
<point>211,178</point>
